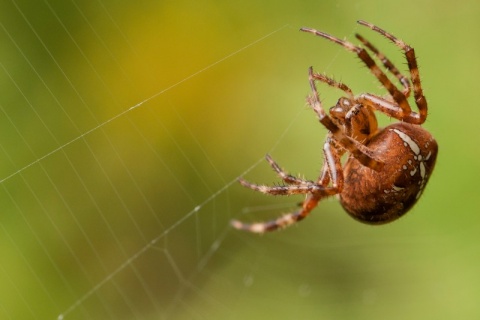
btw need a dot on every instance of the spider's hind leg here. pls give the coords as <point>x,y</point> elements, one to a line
<point>294,185</point>
<point>331,172</point>
<point>280,223</point>
<point>286,190</point>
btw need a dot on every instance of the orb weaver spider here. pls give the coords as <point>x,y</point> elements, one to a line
<point>387,169</point>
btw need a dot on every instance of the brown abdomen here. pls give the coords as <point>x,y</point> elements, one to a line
<point>409,153</point>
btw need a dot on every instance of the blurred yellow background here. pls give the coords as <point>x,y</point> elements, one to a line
<point>124,126</point>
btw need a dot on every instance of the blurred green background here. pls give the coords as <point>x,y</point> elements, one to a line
<point>112,213</point>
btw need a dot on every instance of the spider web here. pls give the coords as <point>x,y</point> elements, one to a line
<point>124,131</point>
<point>59,216</point>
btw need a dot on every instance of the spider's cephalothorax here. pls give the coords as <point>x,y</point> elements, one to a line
<point>387,169</point>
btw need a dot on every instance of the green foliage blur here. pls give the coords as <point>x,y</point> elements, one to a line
<point>120,118</point>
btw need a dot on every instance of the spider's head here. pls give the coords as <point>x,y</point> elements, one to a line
<point>339,111</point>
<point>358,121</point>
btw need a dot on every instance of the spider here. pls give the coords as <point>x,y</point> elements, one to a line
<point>387,169</point>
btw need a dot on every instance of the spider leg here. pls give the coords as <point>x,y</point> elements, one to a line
<point>282,222</point>
<point>420,99</point>
<point>332,169</point>
<point>331,82</point>
<point>388,65</point>
<point>324,178</point>
<point>287,190</point>
<point>401,110</point>
<point>295,184</point>
<point>358,150</point>
<point>365,57</point>
<point>288,178</point>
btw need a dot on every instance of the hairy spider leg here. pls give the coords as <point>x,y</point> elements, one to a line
<point>285,176</point>
<point>401,110</point>
<point>315,192</point>
<point>335,84</point>
<point>287,190</point>
<point>387,64</point>
<point>282,222</point>
<point>420,99</point>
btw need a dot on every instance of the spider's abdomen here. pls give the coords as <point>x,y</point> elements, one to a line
<point>375,197</point>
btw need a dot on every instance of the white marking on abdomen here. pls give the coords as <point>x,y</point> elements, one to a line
<point>417,157</point>
<point>412,144</point>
